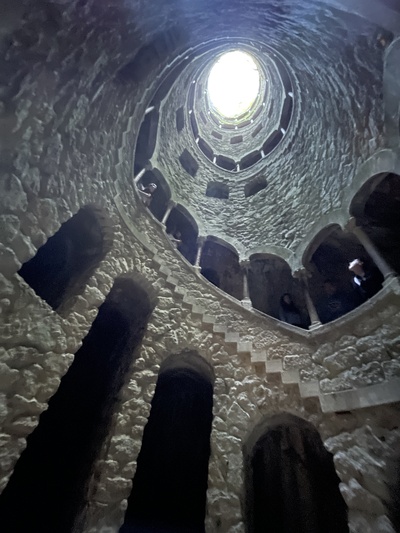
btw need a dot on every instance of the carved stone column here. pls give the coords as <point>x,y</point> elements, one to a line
<point>140,175</point>
<point>246,302</point>
<point>170,206</point>
<point>384,267</point>
<point>303,275</point>
<point>200,245</point>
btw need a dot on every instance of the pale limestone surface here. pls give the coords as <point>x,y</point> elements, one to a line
<point>73,137</point>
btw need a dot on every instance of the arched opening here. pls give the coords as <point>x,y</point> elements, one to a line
<point>376,208</point>
<point>331,284</point>
<point>270,278</point>
<point>147,138</point>
<point>188,162</point>
<point>169,488</point>
<point>49,487</point>
<point>62,266</point>
<point>183,228</point>
<point>161,196</point>
<point>291,483</point>
<point>220,264</point>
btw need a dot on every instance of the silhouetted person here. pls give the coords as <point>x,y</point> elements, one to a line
<point>335,304</point>
<point>366,281</point>
<point>175,238</point>
<point>146,193</point>
<point>288,312</point>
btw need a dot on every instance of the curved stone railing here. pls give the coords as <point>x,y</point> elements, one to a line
<point>342,376</point>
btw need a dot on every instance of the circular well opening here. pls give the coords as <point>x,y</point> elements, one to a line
<point>233,84</point>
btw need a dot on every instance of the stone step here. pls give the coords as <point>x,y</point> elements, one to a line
<point>290,377</point>
<point>274,366</point>
<point>231,337</point>
<point>258,356</point>
<point>309,389</point>
<point>245,347</point>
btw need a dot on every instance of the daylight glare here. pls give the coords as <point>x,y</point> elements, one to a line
<point>233,83</point>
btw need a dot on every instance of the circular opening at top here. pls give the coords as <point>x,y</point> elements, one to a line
<point>233,84</point>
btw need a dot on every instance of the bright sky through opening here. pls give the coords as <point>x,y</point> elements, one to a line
<point>233,83</point>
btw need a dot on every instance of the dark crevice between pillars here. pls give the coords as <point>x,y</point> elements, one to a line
<point>170,484</point>
<point>291,483</point>
<point>62,266</point>
<point>49,487</point>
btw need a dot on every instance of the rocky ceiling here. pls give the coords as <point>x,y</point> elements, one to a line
<point>88,70</point>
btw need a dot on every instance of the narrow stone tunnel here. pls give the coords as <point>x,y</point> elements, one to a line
<point>291,481</point>
<point>253,203</point>
<point>51,480</point>
<point>169,487</point>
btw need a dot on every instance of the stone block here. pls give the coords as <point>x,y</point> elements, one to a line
<point>341,360</point>
<point>360,499</point>
<point>296,361</point>
<point>391,369</point>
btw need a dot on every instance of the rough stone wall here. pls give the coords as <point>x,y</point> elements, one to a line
<point>363,351</point>
<point>366,459</point>
<point>339,104</point>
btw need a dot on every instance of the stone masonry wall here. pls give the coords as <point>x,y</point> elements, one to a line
<point>340,105</point>
<point>69,126</point>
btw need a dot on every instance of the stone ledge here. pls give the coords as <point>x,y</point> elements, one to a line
<point>258,356</point>
<point>382,393</point>
<point>309,389</point>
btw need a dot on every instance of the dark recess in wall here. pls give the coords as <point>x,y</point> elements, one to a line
<point>161,195</point>
<point>250,159</point>
<point>255,186</point>
<point>180,119</point>
<point>272,141</point>
<point>291,482</point>
<point>237,139</point>
<point>216,134</point>
<point>217,190</point>
<point>49,487</point>
<point>257,130</point>
<point>206,149</point>
<point>225,162</point>
<point>147,138</point>
<point>188,162</point>
<point>65,262</point>
<point>169,488</point>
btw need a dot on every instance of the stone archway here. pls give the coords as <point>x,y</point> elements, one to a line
<point>65,262</point>
<point>220,265</point>
<point>49,488</point>
<point>291,483</point>
<point>376,207</point>
<point>170,484</point>
<point>270,277</point>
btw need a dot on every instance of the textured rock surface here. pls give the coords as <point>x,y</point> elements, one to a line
<point>69,122</point>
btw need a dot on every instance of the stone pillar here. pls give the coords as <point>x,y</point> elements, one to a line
<point>302,274</point>
<point>200,244</point>
<point>170,206</point>
<point>384,267</point>
<point>140,175</point>
<point>246,302</point>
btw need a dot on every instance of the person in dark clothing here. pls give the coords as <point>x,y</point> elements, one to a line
<point>335,304</point>
<point>367,281</point>
<point>288,312</point>
<point>146,192</point>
